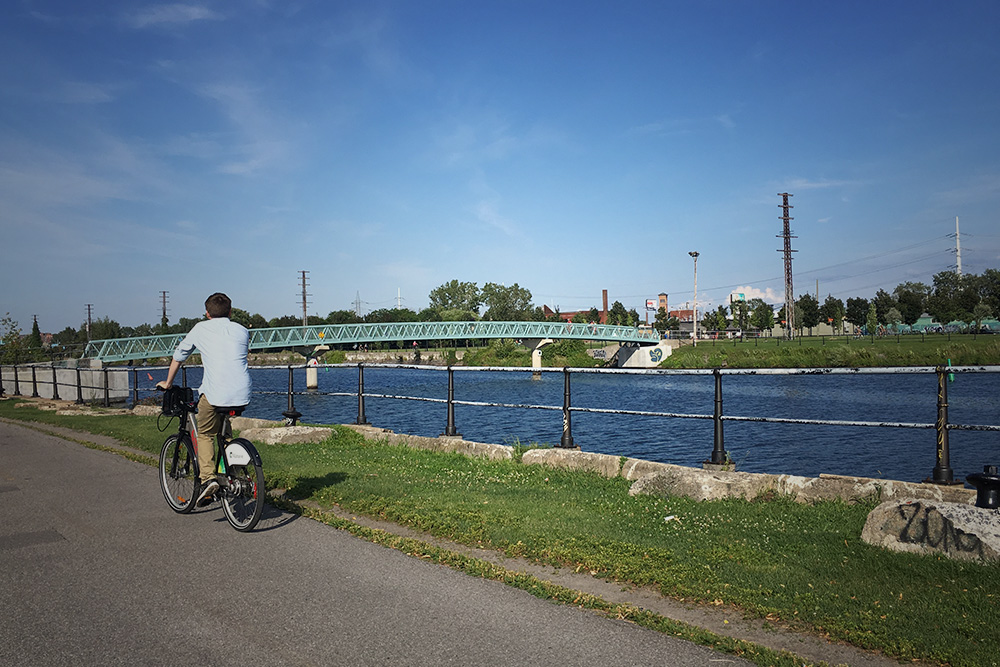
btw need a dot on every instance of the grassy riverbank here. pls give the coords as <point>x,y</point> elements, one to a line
<point>839,352</point>
<point>799,566</point>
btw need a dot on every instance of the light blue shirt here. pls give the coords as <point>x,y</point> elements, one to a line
<point>223,345</point>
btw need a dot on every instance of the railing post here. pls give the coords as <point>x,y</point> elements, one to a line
<point>34,383</point>
<point>450,429</point>
<point>362,420</point>
<point>17,382</point>
<point>79,387</point>
<point>107,390</point>
<point>942,468</point>
<point>567,434</point>
<point>291,415</point>
<point>184,376</point>
<point>719,445</point>
<point>135,386</point>
<point>1,380</point>
<point>55,384</point>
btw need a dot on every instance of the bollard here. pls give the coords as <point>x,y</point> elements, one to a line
<point>567,434</point>
<point>79,387</point>
<point>450,429</point>
<point>987,484</point>
<point>362,420</point>
<point>291,415</point>
<point>107,390</point>
<point>55,384</point>
<point>718,447</point>
<point>942,473</point>
<point>34,383</point>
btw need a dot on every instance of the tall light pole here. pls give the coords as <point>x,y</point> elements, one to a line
<point>694,330</point>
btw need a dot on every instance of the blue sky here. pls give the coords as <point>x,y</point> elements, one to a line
<point>390,147</point>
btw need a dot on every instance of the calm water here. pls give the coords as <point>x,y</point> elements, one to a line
<point>892,453</point>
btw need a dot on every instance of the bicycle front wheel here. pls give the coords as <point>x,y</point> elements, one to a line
<point>179,474</point>
<point>243,499</point>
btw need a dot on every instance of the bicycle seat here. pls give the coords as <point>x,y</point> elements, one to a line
<point>230,410</point>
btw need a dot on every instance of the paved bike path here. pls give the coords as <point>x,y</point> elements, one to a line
<point>96,569</point>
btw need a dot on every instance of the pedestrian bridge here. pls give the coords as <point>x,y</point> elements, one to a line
<point>146,347</point>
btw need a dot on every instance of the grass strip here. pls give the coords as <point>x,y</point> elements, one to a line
<point>547,591</point>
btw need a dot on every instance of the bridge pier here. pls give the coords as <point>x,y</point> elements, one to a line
<point>536,354</point>
<point>312,376</point>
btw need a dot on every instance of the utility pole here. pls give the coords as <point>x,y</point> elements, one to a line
<point>305,299</point>
<point>90,313</point>
<point>163,302</point>
<point>357,304</point>
<point>789,291</point>
<point>694,254</point>
<point>399,299</point>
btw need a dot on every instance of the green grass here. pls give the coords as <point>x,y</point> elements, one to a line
<point>815,352</point>
<point>803,566</point>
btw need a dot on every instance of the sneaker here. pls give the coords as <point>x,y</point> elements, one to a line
<point>207,490</point>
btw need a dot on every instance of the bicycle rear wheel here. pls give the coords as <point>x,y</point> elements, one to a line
<point>243,499</point>
<point>179,474</point>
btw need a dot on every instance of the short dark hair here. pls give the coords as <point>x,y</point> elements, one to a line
<point>218,305</point>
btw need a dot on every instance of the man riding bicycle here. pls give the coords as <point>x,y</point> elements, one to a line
<point>223,345</point>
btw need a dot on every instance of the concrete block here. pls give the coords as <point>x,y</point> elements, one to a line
<point>607,465</point>
<point>956,530</point>
<point>287,435</point>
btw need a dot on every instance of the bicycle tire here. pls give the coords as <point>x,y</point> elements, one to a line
<point>243,499</point>
<point>178,474</point>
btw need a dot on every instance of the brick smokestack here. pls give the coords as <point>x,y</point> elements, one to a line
<point>605,293</point>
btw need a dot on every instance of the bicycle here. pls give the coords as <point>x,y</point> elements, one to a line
<point>239,470</point>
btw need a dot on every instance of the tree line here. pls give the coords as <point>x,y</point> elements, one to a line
<point>967,298</point>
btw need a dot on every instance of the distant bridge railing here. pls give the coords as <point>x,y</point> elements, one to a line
<point>147,347</point>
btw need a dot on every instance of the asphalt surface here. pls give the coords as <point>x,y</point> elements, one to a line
<point>95,569</point>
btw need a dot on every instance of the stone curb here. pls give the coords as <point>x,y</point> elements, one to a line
<point>954,530</point>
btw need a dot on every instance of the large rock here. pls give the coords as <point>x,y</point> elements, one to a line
<point>287,435</point>
<point>956,530</point>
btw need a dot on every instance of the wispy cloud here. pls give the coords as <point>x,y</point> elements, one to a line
<point>983,188</point>
<point>802,184</point>
<point>171,15</point>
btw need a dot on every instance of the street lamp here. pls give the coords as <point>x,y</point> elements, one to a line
<point>694,254</point>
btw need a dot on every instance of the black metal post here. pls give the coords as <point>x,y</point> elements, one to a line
<point>362,420</point>
<point>79,387</point>
<point>34,383</point>
<point>718,447</point>
<point>184,376</point>
<point>55,384</point>
<point>135,386</point>
<point>1,380</point>
<point>107,391</point>
<point>450,429</point>
<point>567,434</point>
<point>942,469</point>
<point>17,383</point>
<point>291,415</point>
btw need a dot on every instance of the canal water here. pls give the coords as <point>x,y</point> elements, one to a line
<point>906,454</point>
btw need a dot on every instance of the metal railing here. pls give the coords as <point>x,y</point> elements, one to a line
<point>942,472</point>
<point>44,375</point>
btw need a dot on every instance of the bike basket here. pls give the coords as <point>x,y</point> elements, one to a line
<point>174,400</point>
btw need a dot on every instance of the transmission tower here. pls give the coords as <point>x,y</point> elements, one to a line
<point>163,303</point>
<point>90,313</point>
<point>305,299</point>
<point>789,292</point>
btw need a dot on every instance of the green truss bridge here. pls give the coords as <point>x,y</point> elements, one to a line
<point>146,347</point>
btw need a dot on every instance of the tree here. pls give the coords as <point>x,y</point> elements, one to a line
<point>633,317</point>
<point>911,300</point>
<point>579,317</point>
<point>12,347</point>
<point>35,337</point>
<point>884,302</point>
<point>857,311</point>
<point>741,314</point>
<point>832,311</point>
<point>507,304</point>
<point>457,295</point>
<point>979,313</point>
<point>871,321</point>
<point>285,321</point>
<point>989,289</point>
<point>383,315</point>
<point>807,311</point>
<point>663,322</point>
<point>761,315</point>
<point>894,317</point>
<point>617,314</point>
<point>953,297</point>
<point>343,317</point>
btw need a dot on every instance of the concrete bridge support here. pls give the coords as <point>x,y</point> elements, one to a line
<point>536,353</point>
<point>312,361</point>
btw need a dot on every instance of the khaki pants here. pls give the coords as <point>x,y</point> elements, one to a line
<point>209,425</point>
